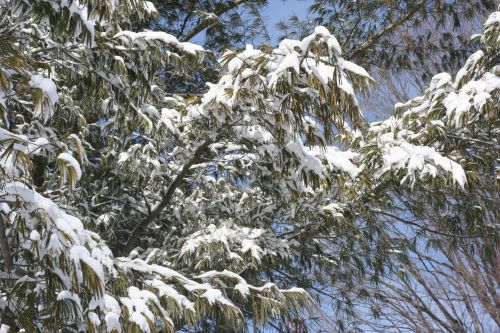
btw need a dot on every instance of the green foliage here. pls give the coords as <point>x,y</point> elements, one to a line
<point>134,198</point>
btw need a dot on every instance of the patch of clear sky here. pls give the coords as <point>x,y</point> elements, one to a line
<point>281,10</point>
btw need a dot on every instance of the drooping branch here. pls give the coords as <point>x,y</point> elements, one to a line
<point>155,212</point>
<point>368,44</point>
<point>208,22</point>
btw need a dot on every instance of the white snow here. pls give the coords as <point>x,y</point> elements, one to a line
<point>322,31</point>
<point>49,89</point>
<point>165,290</point>
<point>288,45</point>
<point>72,162</point>
<point>35,236</point>
<point>149,7</point>
<point>243,289</point>
<point>493,19</point>
<point>337,159</point>
<point>113,322</point>
<point>68,295</point>
<point>249,245</point>
<point>472,96</point>
<point>234,238</point>
<point>70,225</point>
<point>356,69</point>
<point>291,60</point>
<point>138,39</point>
<point>325,35</point>
<point>3,100</point>
<point>138,309</point>
<point>439,81</point>
<point>335,209</point>
<point>191,47</point>
<point>147,36</point>
<point>94,318</point>
<point>470,63</point>
<point>420,159</point>
<point>212,295</point>
<point>78,9</point>
<point>80,253</point>
<point>307,161</point>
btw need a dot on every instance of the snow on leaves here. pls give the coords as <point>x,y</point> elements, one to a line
<point>211,194</point>
<point>458,108</point>
<point>50,98</point>
<point>235,242</point>
<point>146,38</point>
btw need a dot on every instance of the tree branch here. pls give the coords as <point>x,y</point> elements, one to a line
<point>387,30</point>
<point>4,246</point>
<point>208,22</point>
<point>155,212</point>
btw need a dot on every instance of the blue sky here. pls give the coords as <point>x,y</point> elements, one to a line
<point>278,10</point>
<point>275,11</point>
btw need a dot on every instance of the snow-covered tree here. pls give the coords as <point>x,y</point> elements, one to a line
<point>78,96</point>
<point>433,175</point>
<point>449,282</point>
<point>128,206</point>
<point>402,43</point>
